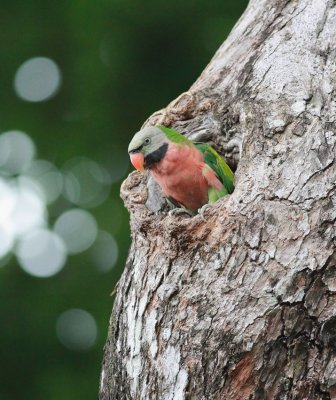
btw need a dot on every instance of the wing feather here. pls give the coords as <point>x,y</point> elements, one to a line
<point>218,165</point>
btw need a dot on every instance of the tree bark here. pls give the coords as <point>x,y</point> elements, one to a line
<point>241,304</point>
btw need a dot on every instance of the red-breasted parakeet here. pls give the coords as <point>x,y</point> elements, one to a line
<point>190,174</point>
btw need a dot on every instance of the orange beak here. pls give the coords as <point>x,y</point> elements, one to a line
<point>137,159</point>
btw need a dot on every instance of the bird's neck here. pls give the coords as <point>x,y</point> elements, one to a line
<point>156,156</point>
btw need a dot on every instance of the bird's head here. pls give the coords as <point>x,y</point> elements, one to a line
<point>147,147</point>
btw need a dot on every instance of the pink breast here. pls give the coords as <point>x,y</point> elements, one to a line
<point>180,176</point>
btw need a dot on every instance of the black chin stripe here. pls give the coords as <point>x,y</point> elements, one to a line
<point>156,156</point>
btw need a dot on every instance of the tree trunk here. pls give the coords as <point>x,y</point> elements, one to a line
<point>241,304</point>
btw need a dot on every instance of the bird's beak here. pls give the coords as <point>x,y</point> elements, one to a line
<point>138,160</point>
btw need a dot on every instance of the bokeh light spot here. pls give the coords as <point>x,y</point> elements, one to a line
<point>21,210</point>
<point>6,241</point>
<point>37,79</point>
<point>77,228</point>
<point>7,200</point>
<point>17,150</point>
<point>104,252</point>
<point>48,178</point>
<point>29,209</point>
<point>41,253</point>
<point>76,329</point>
<point>87,184</point>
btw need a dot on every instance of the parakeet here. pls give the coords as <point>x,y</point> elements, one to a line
<point>190,174</point>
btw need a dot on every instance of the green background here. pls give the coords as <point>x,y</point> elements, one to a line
<point>120,61</point>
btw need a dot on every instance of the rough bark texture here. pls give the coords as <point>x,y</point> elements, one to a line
<point>241,305</point>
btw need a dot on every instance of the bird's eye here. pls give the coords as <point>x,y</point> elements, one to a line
<point>147,141</point>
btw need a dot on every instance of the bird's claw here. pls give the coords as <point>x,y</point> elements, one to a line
<point>179,211</point>
<point>203,209</point>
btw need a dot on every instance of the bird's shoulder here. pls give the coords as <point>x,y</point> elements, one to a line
<point>175,136</point>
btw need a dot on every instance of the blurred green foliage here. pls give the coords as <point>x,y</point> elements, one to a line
<point>120,61</point>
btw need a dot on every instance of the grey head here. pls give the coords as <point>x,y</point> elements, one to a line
<point>151,142</point>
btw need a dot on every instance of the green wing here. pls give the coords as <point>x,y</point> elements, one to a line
<point>174,136</point>
<point>222,170</point>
